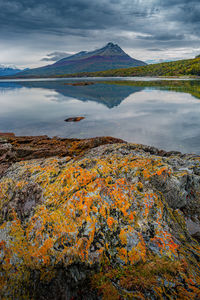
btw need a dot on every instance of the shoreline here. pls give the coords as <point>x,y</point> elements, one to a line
<point>20,148</point>
<point>4,78</point>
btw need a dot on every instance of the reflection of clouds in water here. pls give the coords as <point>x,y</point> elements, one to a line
<point>107,94</point>
<point>54,96</point>
<point>164,119</point>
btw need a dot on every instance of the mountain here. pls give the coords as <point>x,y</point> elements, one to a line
<point>110,56</point>
<point>8,71</point>
<point>187,67</point>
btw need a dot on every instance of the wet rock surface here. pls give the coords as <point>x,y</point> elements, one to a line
<point>14,149</point>
<point>100,219</point>
<point>74,119</point>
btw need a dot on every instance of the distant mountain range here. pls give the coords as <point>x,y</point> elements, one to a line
<point>109,57</point>
<point>8,70</point>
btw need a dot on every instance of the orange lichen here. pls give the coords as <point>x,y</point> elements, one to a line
<point>90,209</point>
<point>110,222</point>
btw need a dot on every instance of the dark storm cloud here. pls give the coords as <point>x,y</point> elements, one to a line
<point>74,25</point>
<point>185,13</point>
<point>164,37</point>
<point>80,17</point>
<point>62,15</point>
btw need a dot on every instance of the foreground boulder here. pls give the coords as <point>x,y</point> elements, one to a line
<point>18,148</point>
<point>119,222</point>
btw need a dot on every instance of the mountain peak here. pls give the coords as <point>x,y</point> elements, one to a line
<point>110,56</point>
<point>111,49</point>
<point>110,44</point>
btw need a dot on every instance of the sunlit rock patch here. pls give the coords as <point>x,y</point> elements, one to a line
<point>109,225</point>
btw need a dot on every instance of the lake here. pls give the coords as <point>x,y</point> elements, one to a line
<point>161,113</point>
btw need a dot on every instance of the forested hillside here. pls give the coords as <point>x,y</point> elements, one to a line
<point>189,67</point>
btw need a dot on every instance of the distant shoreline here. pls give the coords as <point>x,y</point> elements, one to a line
<point>88,77</point>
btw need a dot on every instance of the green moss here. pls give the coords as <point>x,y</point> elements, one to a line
<point>136,281</point>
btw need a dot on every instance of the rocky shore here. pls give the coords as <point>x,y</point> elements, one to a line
<point>97,219</point>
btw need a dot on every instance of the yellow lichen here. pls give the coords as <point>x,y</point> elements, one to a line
<point>81,201</point>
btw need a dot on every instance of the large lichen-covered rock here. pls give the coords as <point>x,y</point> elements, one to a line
<point>17,148</point>
<point>119,222</point>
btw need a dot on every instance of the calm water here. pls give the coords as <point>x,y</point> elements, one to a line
<point>162,114</point>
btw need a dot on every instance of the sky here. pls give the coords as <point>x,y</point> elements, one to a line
<point>35,33</point>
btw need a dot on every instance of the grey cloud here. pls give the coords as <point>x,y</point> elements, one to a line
<point>74,25</point>
<point>156,49</point>
<point>165,37</point>
<point>81,17</point>
<point>60,15</point>
<point>55,56</point>
<point>183,12</point>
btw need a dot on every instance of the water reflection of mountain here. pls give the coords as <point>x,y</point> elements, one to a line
<point>107,94</point>
<point>5,86</point>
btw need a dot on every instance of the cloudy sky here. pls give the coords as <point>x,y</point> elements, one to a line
<point>34,33</point>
